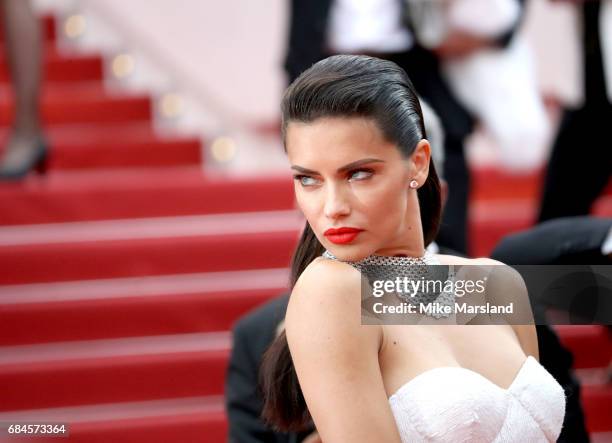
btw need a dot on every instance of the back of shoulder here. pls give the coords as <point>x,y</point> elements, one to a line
<point>326,285</point>
<point>324,276</point>
<point>324,312</point>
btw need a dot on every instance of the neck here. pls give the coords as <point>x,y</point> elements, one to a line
<point>409,241</point>
<point>402,252</point>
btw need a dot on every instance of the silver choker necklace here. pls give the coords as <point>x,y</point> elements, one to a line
<point>380,267</point>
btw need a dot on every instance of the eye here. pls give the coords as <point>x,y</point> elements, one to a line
<point>361,174</point>
<point>306,180</point>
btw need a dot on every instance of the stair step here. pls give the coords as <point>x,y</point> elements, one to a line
<point>64,68</point>
<point>169,304</point>
<point>93,131</point>
<point>96,151</point>
<point>37,313</point>
<point>490,220</point>
<point>601,437</point>
<point>154,152</point>
<point>497,219</point>
<point>597,404</point>
<point>129,369</point>
<point>127,250</point>
<point>154,421</point>
<point>492,183</point>
<point>65,196</point>
<point>111,370</point>
<point>169,245</point>
<point>50,49</point>
<point>87,109</point>
<point>185,419</point>
<point>85,90</point>
<point>117,194</point>
<point>591,345</point>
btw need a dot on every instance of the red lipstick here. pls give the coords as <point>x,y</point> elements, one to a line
<point>342,235</point>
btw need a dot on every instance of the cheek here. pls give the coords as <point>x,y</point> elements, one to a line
<point>307,203</point>
<point>389,194</point>
<point>386,205</point>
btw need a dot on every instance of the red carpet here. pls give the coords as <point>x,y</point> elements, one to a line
<point>64,68</point>
<point>124,269</point>
<point>120,194</point>
<point>169,304</point>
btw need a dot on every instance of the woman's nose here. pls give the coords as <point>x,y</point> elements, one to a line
<point>336,205</point>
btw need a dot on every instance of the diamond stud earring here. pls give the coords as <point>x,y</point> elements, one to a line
<point>414,184</point>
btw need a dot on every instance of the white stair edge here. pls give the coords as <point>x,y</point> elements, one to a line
<point>205,282</point>
<point>118,411</point>
<point>150,228</point>
<point>115,347</point>
<point>601,437</point>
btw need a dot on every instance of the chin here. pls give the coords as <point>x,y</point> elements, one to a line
<point>350,252</point>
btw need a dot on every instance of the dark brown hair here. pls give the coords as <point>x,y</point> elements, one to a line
<point>343,86</point>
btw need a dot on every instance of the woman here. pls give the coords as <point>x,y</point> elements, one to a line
<point>354,134</point>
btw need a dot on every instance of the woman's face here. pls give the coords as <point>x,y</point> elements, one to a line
<point>353,187</point>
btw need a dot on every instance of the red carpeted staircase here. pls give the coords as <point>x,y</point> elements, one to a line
<point>123,270</point>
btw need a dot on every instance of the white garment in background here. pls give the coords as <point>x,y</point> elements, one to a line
<point>454,404</point>
<point>605,32</point>
<point>500,85</point>
<point>606,247</point>
<point>358,26</point>
<point>486,18</point>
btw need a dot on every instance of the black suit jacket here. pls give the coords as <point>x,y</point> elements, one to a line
<point>562,241</point>
<point>252,335</point>
<point>569,240</point>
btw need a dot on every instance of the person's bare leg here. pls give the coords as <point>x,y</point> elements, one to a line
<point>23,49</point>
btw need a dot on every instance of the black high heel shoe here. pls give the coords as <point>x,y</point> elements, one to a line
<point>37,162</point>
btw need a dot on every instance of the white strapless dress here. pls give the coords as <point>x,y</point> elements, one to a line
<point>454,404</point>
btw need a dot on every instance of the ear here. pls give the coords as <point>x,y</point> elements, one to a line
<point>420,162</point>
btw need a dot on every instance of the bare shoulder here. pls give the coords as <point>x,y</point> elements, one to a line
<point>336,357</point>
<point>325,284</point>
<point>326,299</point>
<point>482,266</point>
<point>504,286</point>
<point>323,273</point>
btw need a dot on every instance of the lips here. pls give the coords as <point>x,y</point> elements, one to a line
<point>342,235</point>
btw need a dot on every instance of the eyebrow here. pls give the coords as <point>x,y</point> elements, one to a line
<point>344,168</point>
